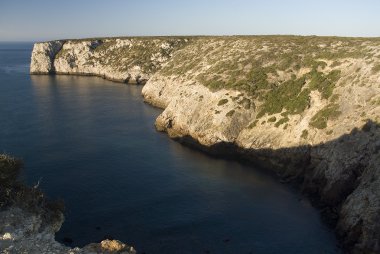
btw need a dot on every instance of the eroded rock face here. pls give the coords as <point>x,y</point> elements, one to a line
<point>43,54</point>
<point>360,214</point>
<point>129,60</point>
<point>194,112</point>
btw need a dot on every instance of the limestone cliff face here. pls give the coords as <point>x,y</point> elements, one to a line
<point>308,107</point>
<point>43,55</point>
<point>130,60</point>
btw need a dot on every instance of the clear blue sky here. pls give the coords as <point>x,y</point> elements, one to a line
<point>36,20</point>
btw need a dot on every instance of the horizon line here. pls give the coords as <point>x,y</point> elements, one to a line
<point>189,35</point>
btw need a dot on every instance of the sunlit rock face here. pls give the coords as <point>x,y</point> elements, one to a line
<point>130,60</point>
<point>43,55</point>
<point>307,106</point>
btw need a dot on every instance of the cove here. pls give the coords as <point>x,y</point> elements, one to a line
<point>92,143</point>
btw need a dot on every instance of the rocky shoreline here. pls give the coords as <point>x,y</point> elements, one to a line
<point>329,146</point>
<point>29,221</point>
<point>336,175</point>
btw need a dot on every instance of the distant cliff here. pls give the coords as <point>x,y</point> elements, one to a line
<point>132,60</point>
<point>306,107</point>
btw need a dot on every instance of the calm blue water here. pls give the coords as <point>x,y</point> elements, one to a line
<point>92,143</point>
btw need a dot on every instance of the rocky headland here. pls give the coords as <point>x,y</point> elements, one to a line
<point>307,108</point>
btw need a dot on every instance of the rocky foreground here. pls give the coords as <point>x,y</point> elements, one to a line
<point>306,107</point>
<point>29,221</point>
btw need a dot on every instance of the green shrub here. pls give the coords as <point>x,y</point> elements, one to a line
<point>282,121</point>
<point>335,64</point>
<point>320,119</point>
<point>246,103</point>
<point>289,95</point>
<point>272,119</point>
<point>222,102</point>
<point>325,84</point>
<point>9,169</point>
<point>321,64</point>
<point>304,134</point>
<point>376,69</point>
<point>31,199</point>
<point>230,113</point>
<point>253,124</point>
<point>258,78</point>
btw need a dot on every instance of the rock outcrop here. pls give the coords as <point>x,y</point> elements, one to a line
<point>43,55</point>
<point>305,107</point>
<point>25,232</point>
<point>28,221</point>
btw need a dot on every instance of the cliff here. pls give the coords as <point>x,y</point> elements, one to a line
<point>130,60</point>
<point>29,221</point>
<point>306,107</point>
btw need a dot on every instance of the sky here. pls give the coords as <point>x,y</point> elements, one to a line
<point>39,20</point>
